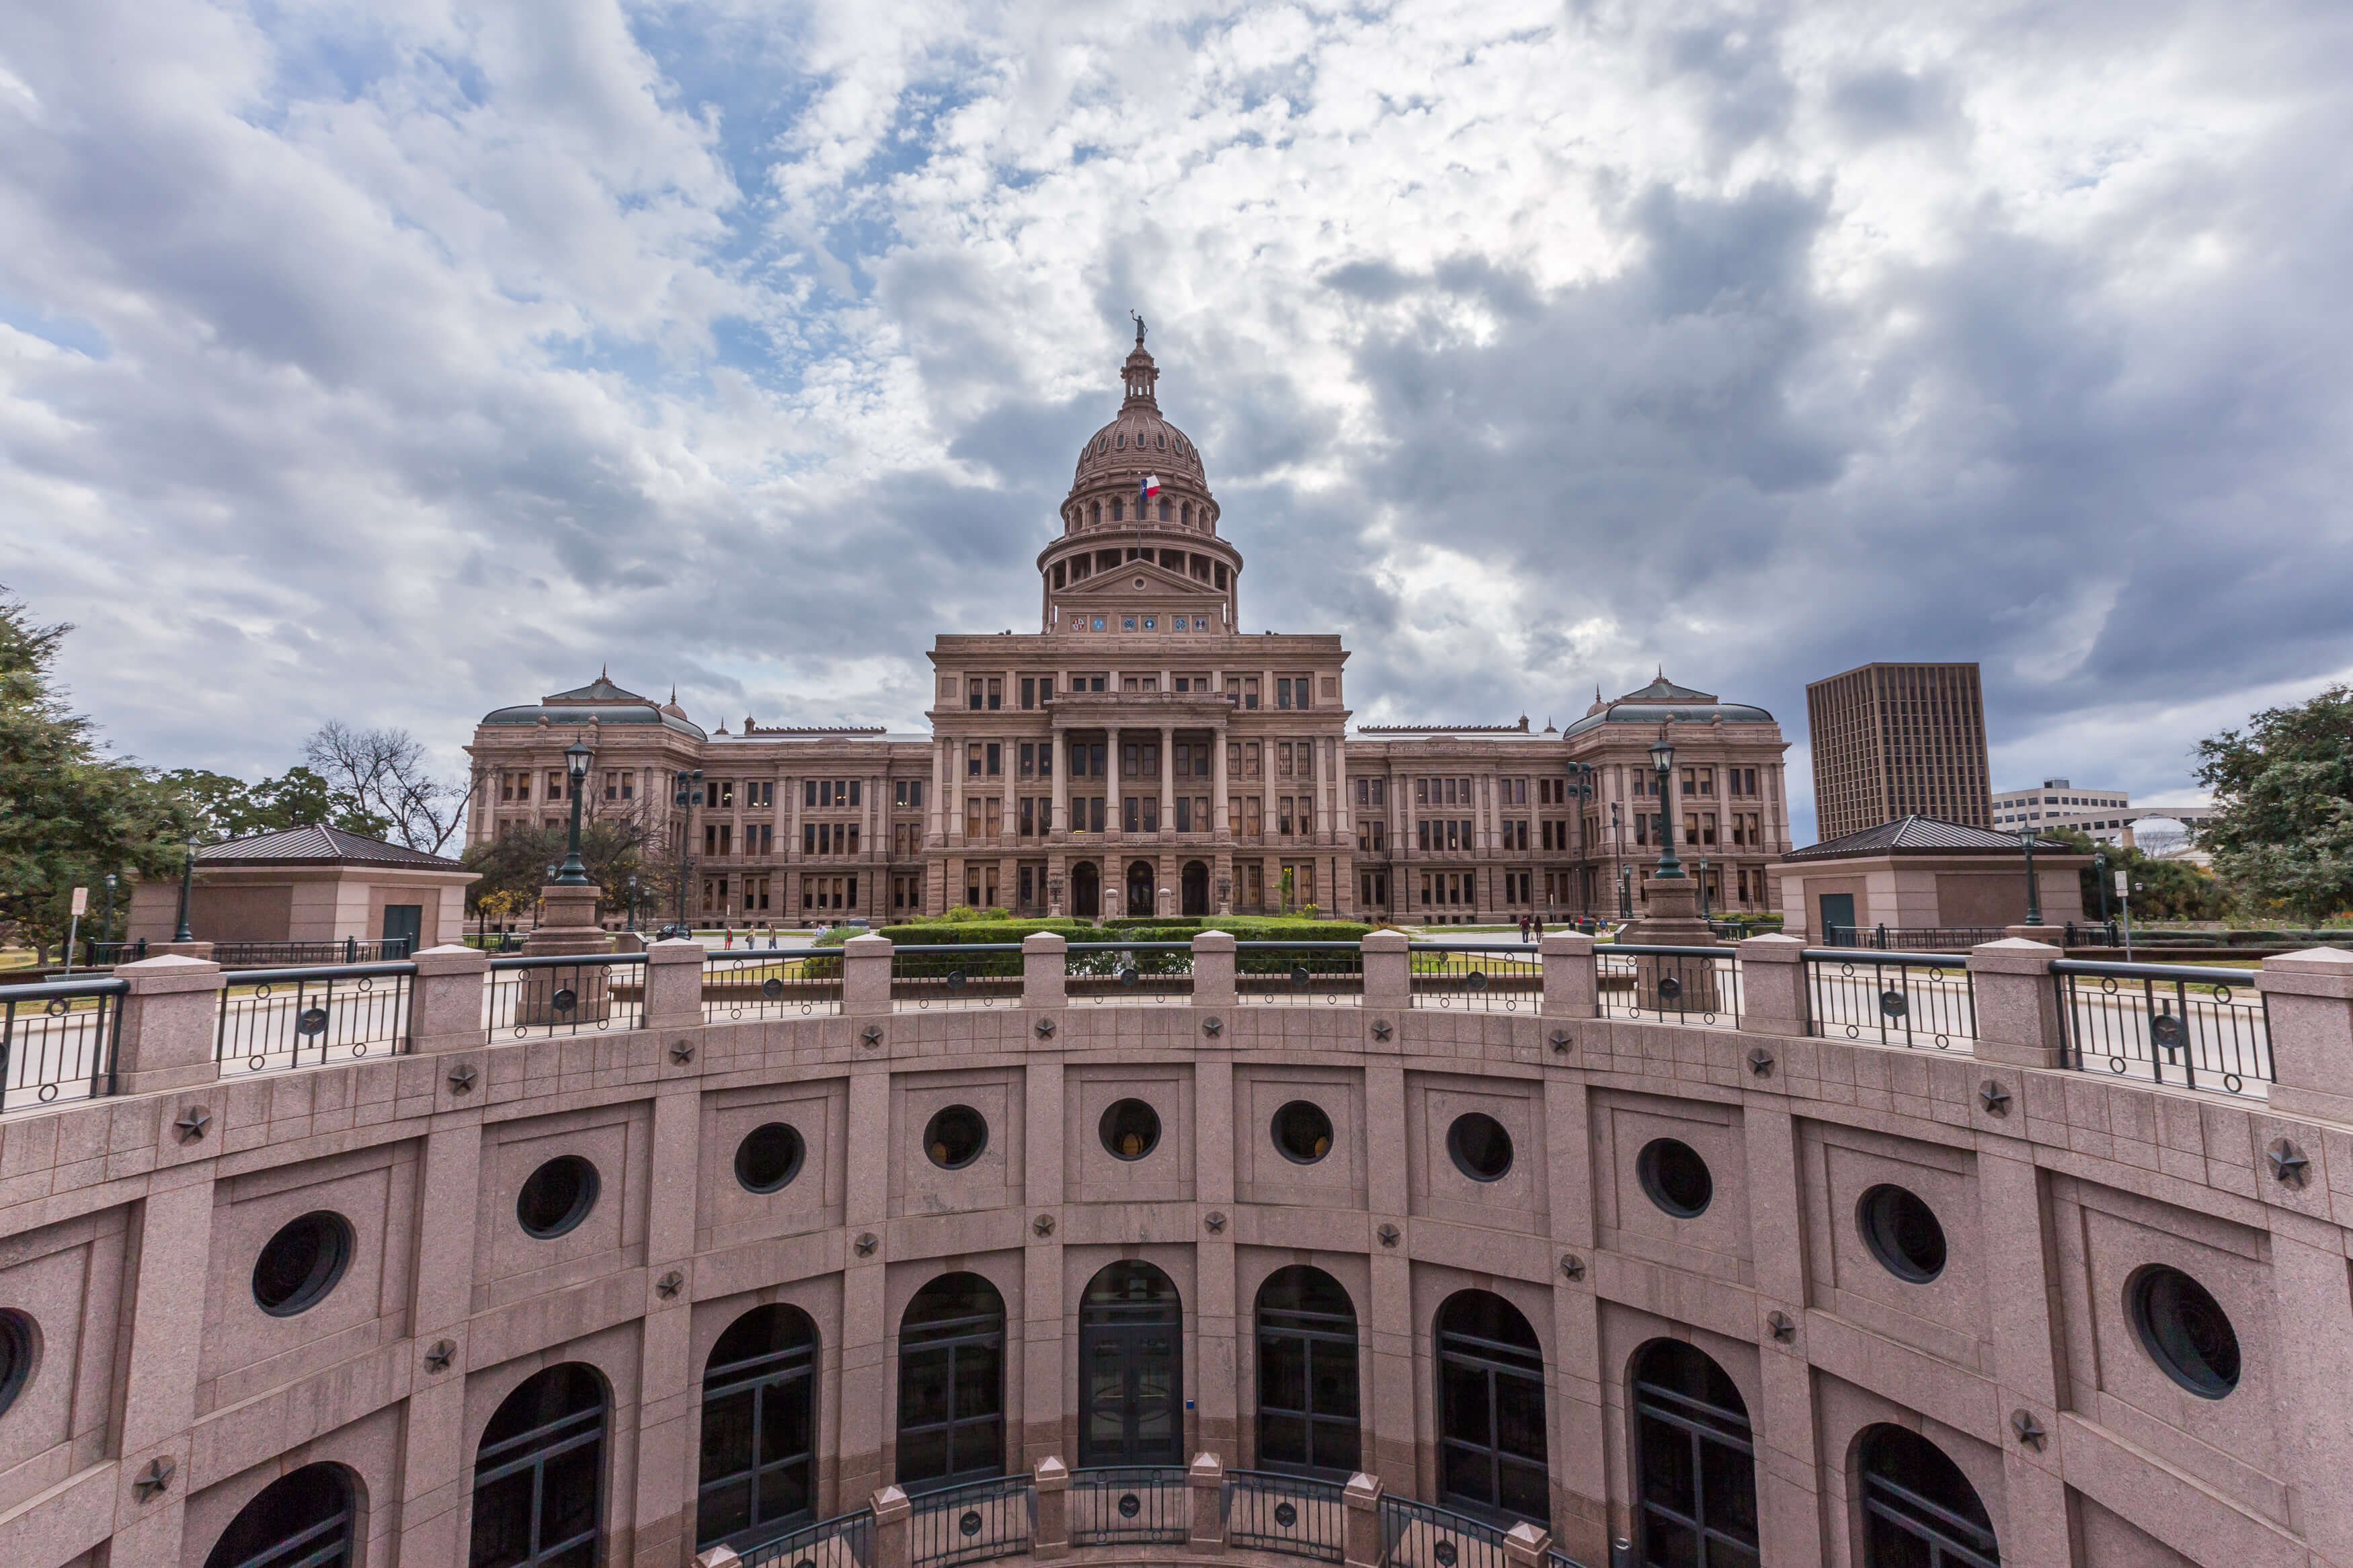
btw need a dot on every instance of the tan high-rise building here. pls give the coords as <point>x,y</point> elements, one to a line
<point>1898,740</point>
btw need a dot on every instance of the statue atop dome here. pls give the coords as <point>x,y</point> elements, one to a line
<point>1139,327</point>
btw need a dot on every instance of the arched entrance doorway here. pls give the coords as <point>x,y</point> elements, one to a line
<point>1194,885</point>
<point>539,1474</point>
<point>301,1520</point>
<point>1491,1403</point>
<point>1086,889</point>
<point>1307,1419</point>
<point>1131,1369</point>
<point>952,1384</point>
<point>1696,1461</point>
<point>1918,1509</point>
<point>759,1430</point>
<point>1142,889</point>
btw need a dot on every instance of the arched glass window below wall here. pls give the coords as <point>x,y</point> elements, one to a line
<point>1490,1408</point>
<point>1307,1382</point>
<point>1131,1369</point>
<point>758,1477</point>
<point>301,1520</point>
<point>539,1474</point>
<point>1918,1509</point>
<point>1696,1461</point>
<point>952,1384</point>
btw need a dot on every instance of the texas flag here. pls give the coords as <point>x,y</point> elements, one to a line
<point>1146,491</point>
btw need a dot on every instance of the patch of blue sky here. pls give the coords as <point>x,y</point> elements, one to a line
<point>68,332</point>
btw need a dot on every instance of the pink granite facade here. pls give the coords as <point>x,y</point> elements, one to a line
<point>132,1228</point>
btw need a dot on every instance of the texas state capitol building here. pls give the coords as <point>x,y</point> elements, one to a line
<point>1141,753</point>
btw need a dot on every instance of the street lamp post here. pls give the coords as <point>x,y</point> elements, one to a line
<point>1580,789</point>
<point>690,795</point>
<point>1662,758</point>
<point>572,873</point>
<point>1703,887</point>
<point>633,903</point>
<point>187,890</point>
<point>2100,875</point>
<point>106,920</point>
<point>2033,885</point>
<point>1617,828</point>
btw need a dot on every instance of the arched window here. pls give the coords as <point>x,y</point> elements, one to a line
<point>539,1474</point>
<point>1696,1459</point>
<point>303,1520</point>
<point>1094,512</point>
<point>1918,1509</point>
<point>1307,1409</point>
<point>1491,1405</point>
<point>1118,510</point>
<point>759,1430</point>
<point>1185,514</point>
<point>1164,509</point>
<point>952,1384</point>
<point>1131,1369</point>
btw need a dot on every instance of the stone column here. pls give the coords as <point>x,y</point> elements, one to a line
<point>1361,1500</point>
<point>1052,1530</point>
<point>2017,1005</point>
<point>1224,839</point>
<point>1389,970</point>
<point>1213,971</point>
<point>891,1513</point>
<point>1168,785</point>
<point>1773,999</point>
<point>1525,1545</point>
<point>1787,1492</point>
<point>1112,818</point>
<point>171,1024</point>
<point>163,1327</point>
<point>445,999</point>
<point>2308,998</point>
<point>1206,1478</point>
<point>673,980</point>
<point>1044,969</point>
<point>1061,824</point>
<point>1570,985</point>
<point>866,976</point>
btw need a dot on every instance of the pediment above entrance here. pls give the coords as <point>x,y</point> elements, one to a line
<point>1122,582</point>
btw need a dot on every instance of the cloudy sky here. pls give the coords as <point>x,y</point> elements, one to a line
<point>395,361</point>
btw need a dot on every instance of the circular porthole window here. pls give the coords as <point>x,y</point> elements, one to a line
<point>1479,1147</point>
<point>1303,1133</point>
<point>557,1197</point>
<point>955,1137</point>
<point>1130,1129</point>
<point>301,1263</point>
<point>768,1158</point>
<point>1902,1233</point>
<point>2184,1329</point>
<point>1674,1177</point>
<point>19,1343</point>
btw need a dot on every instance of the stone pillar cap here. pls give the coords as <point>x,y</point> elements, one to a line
<point>1051,1474</point>
<point>1773,947</point>
<point>868,943</point>
<point>1385,941</point>
<point>172,972</point>
<point>890,1503</point>
<point>1362,1490</point>
<point>1206,1467</point>
<point>1564,945</point>
<point>2012,955</point>
<point>1045,941</point>
<point>671,949</point>
<point>1213,941</point>
<point>2314,972</point>
<point>451,957</point>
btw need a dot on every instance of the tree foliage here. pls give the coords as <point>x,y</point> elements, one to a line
<point>615,845</point>
<point>2283,787</point>
<point>387,774</point>
<point>2163,889</point>
<point>70,812</point>
<point>231,808</point>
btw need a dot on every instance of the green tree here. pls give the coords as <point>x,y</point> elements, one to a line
<point>2283,787</point>
<point>70,812</point>
<point>614,847</point>
<point>2162,890</point>
<point>231,808</point>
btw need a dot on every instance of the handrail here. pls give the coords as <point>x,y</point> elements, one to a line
<point>1668,949</point>
<point>1903,958</point>
<point>559,960</point>
<point>97,985</point>
<point>319,971</point>
<point>2196,973</point>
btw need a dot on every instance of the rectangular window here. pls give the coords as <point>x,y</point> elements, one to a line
<point>974,694</point>
<point>1095,815</point>
<point>1183,813</point>
<point>1045,688</point>
<point>996,693</point>
<point>1299,686</point>
<point>972,816</point>
<point>1029,691</point>
<point>1028,759</point>
<point>972,756</point>
<point>996,759</point>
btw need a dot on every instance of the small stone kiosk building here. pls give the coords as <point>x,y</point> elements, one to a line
<point>1918,873</point>
<point>309,885</point>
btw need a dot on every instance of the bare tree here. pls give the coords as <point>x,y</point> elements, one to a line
<point>389,775</point>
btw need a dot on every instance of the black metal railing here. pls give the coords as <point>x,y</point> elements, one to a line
<point>1915,939</point>
<point>1668,985</point>
<point>1273,973</point>
<point>346,950</point>
<point>845,1540</point>
<point>549,996</point>
<point>972,1523</point>
<point>1423,1535</point>
<point>1127,972</point>
<point>2197,1025</point>
<point>957,974</point>
<point>1150,1504</point>
<point>739,987</point>
<point>2103,934</point>
<point>1265,1511</point>
<point>1911,999</point>
<point>59,1039</point>
<point>1559,1559</point>
<point>1492,977</point>
<point>101,954</point>
<point>307,1017</point>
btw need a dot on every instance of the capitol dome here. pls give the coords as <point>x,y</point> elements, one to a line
<point>1140,440</point>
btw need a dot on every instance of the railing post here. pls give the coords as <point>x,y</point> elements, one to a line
<point>1361,1500</point>
<point>1045,965</point>
<point>171,1024</point>
<point>673,998</point>
<point>1207,1478</point>
<point>1525,1545</point>
<point>1571,988</point>
<point>1773,985</point>
<point>1389,970</point>
<point>2017,1004</point>
<point>866,976</point>
<point>1213,971</point>
<point>2308,1010</point>
<point>891,1512</point>
<point>717,1557</point>
<point>1051,1532</point>
<point>445,999</point>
